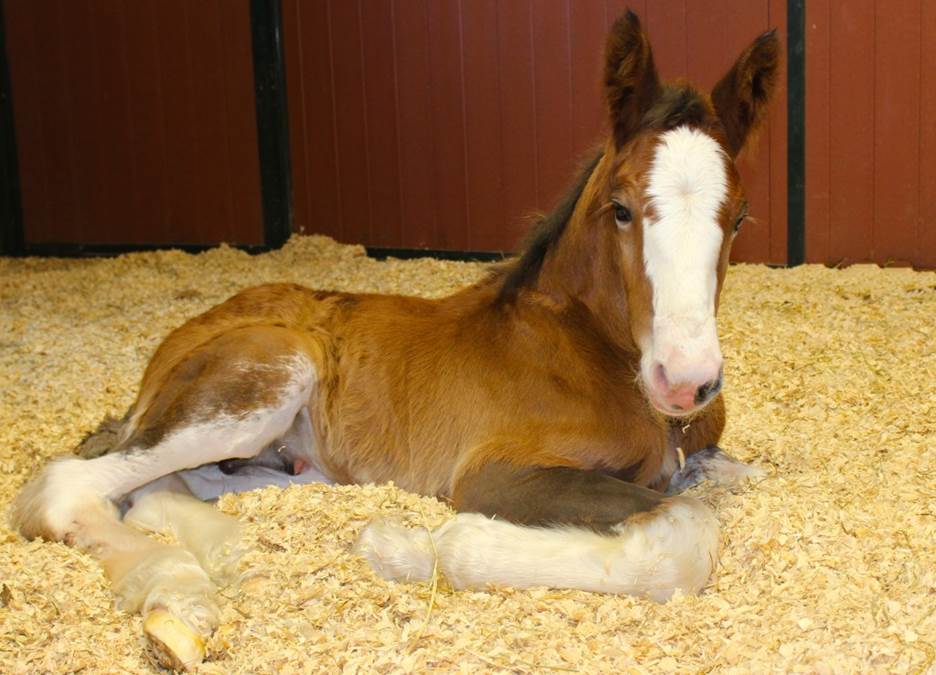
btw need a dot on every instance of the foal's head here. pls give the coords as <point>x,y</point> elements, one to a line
<point>644,239</point>
<point>668,190</point>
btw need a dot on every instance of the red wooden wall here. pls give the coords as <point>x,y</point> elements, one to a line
<point>870,135</point>
<point>135,121</point>
<point>441,123</point>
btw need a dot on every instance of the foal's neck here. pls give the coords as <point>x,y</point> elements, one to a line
<point>582,271</point>
<point>572,263</point>
<point>590,279</point>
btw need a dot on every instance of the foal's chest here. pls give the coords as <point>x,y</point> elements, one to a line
<point>650,454</point>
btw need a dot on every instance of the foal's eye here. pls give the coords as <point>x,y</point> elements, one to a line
<point>622,214</point>
<point>741,219</point>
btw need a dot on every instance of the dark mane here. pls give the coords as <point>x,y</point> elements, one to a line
<point>544,235</point>
<point>677,104</point>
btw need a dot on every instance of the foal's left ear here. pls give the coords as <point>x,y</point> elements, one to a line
<point>742,96</point>
<point>630,78</point>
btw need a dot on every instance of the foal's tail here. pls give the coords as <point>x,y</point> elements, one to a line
<point>651,554</point>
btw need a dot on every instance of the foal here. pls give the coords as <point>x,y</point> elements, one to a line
<point>550,402</point>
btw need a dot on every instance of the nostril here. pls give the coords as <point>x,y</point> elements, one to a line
<point>708,390</point>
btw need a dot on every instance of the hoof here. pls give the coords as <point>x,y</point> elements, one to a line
<point>176,646</point>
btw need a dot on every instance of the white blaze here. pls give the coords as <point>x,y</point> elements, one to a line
<point>687,186</point>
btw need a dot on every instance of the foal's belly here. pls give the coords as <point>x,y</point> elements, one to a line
<point>292,459</point>
<point>209,482</point>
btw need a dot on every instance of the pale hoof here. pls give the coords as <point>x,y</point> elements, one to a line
<point>176,646</point>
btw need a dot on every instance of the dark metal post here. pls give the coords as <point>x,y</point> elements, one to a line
<point>266,21</point>
<point>796,132</point>
<point>11,210</point>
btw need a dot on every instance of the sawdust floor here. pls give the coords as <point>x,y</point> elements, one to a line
<point>828,565</point>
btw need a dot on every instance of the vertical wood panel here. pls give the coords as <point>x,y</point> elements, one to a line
<point>552,76</point>
<point>240,143</point>
<point>441,123</point>
<point>136,165</point>
<point>818,122</point>
<point>851,134</point>
<point>179,138</point>
<point>61,126</point>
<point>146,123</point>
<point>753,245</point>
<point>22,47</point>
<point>350,119</point>
<point>448,124</point>
<point>896,129</point>
<point>926,256</point>
<point>417,162</point>
<point>709,41</point>
<point>871,170</point>
<point>211,120</point>
<point>667,28</point>
<point>482,125</point>
<point>774,156</point>
<point>494,104</point>
<point>587,19</point>
<point>315,164</point>
<point>384,224</point>
<point>518,130</point>
<point>135,121</point>
<point>108,97</point>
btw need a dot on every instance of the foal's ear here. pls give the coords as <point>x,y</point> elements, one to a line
<point>742,96</point>
<point>631,82</point>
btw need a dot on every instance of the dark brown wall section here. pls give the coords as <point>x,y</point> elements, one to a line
<point>871,141</point>
<point>442,124</point>
<point>445,123</point>
<point>135,121</point>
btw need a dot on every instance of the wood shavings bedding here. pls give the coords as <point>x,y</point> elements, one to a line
<point>828,564</point>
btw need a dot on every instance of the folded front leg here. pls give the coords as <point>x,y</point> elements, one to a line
<point>550,496</point>
<point>561,527</point>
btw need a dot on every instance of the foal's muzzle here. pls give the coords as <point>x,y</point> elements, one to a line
<point>683,397</point>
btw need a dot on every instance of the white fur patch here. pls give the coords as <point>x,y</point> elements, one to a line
<point>65,485</point>
<point>220,438</point>
<point>687,186</point>
<point>209,482</point>
<point>648,556</point>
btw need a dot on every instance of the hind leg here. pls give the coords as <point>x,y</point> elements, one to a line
<point>225,401</point>
<point>176,598</point>
<point>210,535</point>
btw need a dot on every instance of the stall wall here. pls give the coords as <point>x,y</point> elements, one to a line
<point>444,124</point>
<point>135,121</point>
<point>870,135</point>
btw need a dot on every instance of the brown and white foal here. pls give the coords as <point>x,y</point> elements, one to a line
<point>550,401</point>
